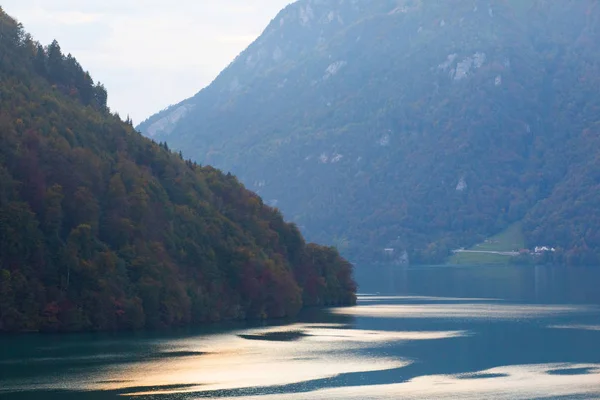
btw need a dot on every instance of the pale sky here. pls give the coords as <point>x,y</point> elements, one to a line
<point>148,53</point>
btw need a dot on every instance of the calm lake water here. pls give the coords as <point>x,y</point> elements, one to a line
<point>417,333</point>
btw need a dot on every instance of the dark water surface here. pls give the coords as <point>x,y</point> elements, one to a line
<point>417,333</point>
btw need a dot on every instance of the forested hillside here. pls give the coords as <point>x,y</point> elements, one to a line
<point>413,125</point>
<point>102,229</point>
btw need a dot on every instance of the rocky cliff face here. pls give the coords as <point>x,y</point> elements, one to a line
<point>296,32</point>
<point>417,125</point>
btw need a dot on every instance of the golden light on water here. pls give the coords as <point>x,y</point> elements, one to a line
<point>255,359</point>
<point>230,361</point>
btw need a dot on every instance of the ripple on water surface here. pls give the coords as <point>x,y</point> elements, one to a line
<point>252,358</point>
<point>503,383</point>
<point>459,311</point>
<point>595,328</point>
<point>338,361</point>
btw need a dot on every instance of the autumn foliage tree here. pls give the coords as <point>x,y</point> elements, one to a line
<point>102,229</point>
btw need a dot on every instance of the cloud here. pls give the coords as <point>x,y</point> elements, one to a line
<point>39,15</point>
<point>148,53</point>
<point>74,17</point>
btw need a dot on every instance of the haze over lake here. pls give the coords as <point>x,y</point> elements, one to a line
<point>383,199</point>
<point>417,332</point>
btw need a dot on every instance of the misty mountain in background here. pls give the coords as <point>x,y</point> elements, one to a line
<point>418,126</point>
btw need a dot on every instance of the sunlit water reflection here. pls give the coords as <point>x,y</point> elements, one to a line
<point>502,383</point>
<point>431,333</point>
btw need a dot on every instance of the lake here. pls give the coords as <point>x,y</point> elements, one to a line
<point>417,333</point>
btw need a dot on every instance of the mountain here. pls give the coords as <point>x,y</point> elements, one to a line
<point>417,126</point>
<point>103,229</point>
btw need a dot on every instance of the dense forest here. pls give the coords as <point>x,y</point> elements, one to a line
<point>414,125</point>
<point>102,229</point>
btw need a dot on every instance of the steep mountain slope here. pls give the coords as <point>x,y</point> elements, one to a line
<point>413,125</point>
<point>102,229</point>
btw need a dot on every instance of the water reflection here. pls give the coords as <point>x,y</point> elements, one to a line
<point>467,310</point>
<point>255,358</point>
<point>502,383</point>
<point>577,327</point>
<point>434,333</point>
<point>512,283</point>
<point>366,298</point>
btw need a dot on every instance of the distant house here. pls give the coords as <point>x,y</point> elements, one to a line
<point>544,249</point>
<point>399,257</point>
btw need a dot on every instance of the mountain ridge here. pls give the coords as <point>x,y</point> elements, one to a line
<point>418,126</point>
<point>102,229</point>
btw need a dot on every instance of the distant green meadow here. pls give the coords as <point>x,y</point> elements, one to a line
<point>509,240</point>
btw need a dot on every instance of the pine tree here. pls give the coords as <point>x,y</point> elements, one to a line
<point>56,70</point>
<point>40,61</point>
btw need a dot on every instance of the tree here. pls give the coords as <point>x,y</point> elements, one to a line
<point>40,61</point>
<point>102,229</point>
<point>55,64</point>
<point>53,212</point>
<point>100,97</point>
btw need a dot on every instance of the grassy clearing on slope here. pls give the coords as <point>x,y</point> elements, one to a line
<point>511,239</point>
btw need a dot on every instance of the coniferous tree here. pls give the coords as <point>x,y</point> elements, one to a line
<point>101,229</point>
<point>56,70</point>
<point>40,61</point>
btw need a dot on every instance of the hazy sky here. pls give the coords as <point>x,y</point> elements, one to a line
<point>148,53</point>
